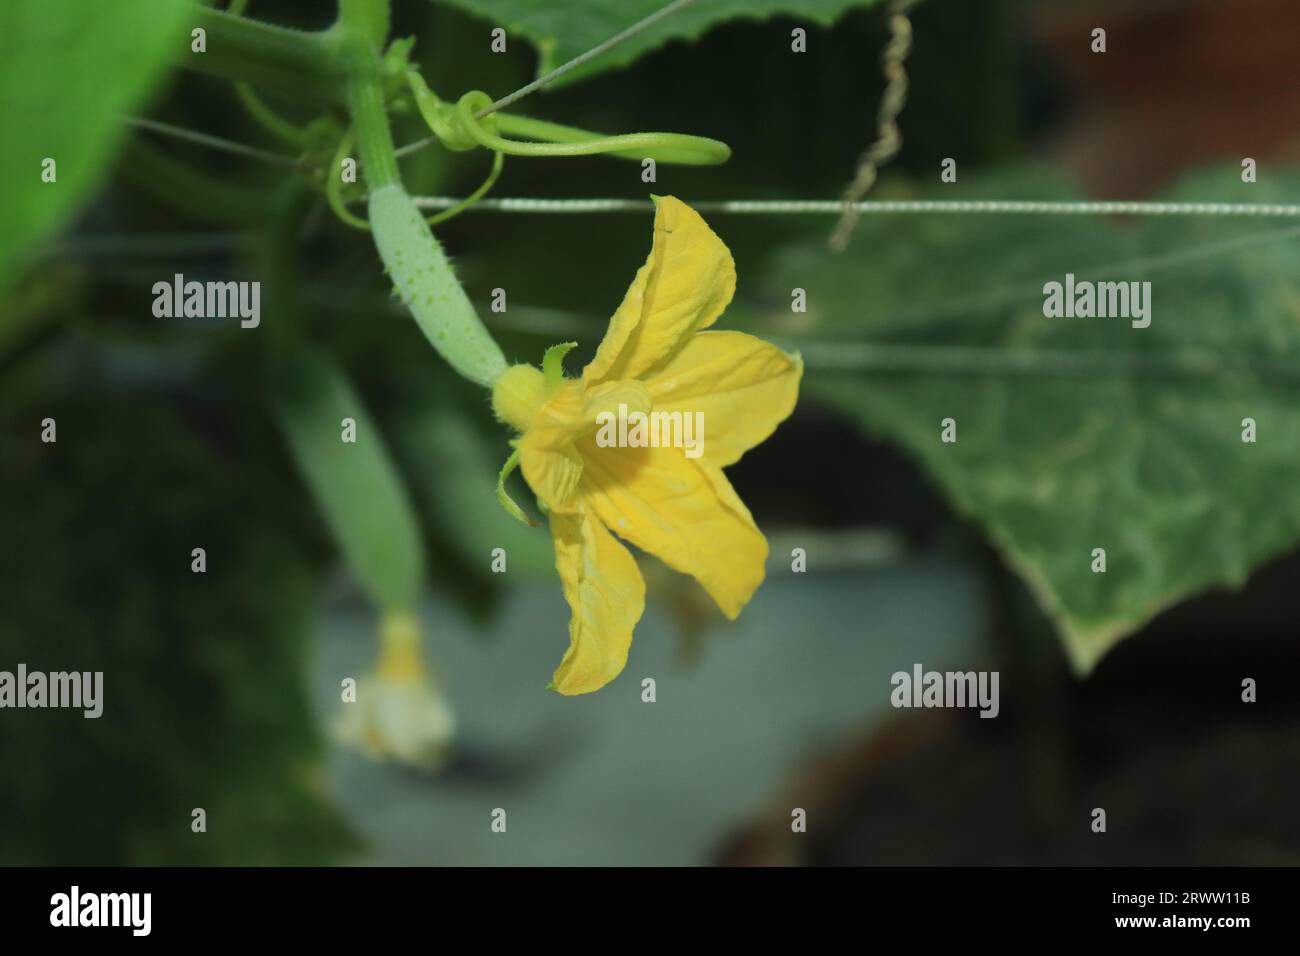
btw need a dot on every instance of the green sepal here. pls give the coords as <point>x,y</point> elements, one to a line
<point>503,496</point>
<point>553,364</point>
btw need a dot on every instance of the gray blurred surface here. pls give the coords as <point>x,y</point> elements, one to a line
<point>608,779</point>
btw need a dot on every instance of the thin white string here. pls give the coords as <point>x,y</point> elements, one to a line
<point>210,141</point>
<point>591,54</point>
<point>796,207</point>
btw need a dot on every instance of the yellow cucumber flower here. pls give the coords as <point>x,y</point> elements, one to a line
<point>399,713</point>
<point>672,502</point>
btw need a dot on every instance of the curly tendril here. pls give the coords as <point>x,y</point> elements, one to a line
<point>334,185</point>
<point>338,205</point>
<point>458,127</point>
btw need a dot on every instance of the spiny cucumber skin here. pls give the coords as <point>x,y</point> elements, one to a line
<point>427,285</point>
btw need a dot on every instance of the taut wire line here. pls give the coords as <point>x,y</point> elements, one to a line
<point>582,58</point>
<point>797,207</point>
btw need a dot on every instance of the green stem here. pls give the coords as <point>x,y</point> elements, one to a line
<point>359,23</point>
<point>294,61</point>
<point>370,128</point>
<point>368,19</point>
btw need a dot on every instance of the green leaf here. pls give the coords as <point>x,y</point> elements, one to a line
<point>1075,433</point>
<point>67,77</point>
<point>562,29</point>
<point>354,482</point>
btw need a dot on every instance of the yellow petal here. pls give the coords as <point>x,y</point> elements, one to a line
<point>572,411</point>
<point>606,594</point>
<point>683,287</point>
<point>552,473</point>
<point>546,454</point>
<point>682,511</point>
<point>549,461</point>
<point>744,386</point>
<point>561,419</point>
<point>608,397</point>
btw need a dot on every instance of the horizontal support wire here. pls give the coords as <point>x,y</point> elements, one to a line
<point>831,207</point>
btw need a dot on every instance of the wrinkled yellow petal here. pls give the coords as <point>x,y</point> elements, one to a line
<point>682,288</point>
<point>561,419</point>
<point>549,461</point>
<point>552,473</point>
<point>607,398</point>
<point>572,411</point>
<point>682,511</point>
<point>547,458</point>
<point>744,386</point>
<point>606,595</point>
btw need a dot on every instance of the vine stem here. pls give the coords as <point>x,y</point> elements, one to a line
<point>360,38</point>
<point>305,64</point>
<point>373,137</point>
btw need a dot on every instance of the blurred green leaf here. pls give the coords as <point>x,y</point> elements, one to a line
<point>1075,434</point>
<point>355,483</point>
<point>563,29</point>
<point>67,76</point>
